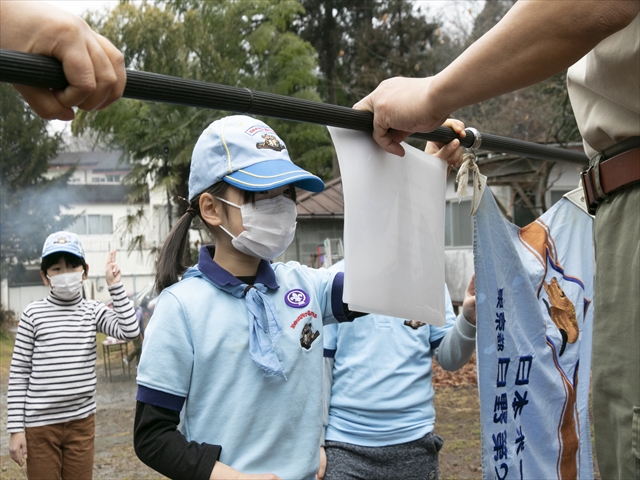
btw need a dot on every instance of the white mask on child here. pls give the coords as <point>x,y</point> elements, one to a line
<point>66,286</point>
<point>269,224</point>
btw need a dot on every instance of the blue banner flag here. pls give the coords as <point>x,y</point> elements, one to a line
<point>534,291</point>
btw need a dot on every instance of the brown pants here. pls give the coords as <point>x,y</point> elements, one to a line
<point>62,450</point>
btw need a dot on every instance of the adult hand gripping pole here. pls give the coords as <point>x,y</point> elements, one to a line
<point>46,72</point>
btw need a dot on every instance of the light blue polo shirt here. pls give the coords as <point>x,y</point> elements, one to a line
<point>382,392</point>
<point>196,359</point>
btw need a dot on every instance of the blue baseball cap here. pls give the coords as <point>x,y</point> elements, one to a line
<point>245,153</point>
<point>62,242</point>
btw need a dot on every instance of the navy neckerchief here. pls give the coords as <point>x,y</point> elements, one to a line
<point>265,329</point>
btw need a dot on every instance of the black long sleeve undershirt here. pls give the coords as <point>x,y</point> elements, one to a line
<point>160,445</point>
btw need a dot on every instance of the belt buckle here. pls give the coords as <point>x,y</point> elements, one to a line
<point>588,188</point>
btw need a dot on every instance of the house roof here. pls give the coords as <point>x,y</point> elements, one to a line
<point>98,161</point>
<point>328,203</point>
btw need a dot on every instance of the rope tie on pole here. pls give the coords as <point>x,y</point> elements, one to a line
<point>470,167</point>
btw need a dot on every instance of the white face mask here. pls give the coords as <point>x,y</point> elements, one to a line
<point>269,224</point>
<point>66,286</point>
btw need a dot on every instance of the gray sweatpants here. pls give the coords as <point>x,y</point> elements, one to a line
<point>417,460</point>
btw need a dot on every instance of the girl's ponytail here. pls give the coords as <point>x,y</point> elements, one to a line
<point>172,254</point>
<point>171,261</point>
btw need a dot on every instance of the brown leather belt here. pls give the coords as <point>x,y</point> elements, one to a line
<point>615,173</point>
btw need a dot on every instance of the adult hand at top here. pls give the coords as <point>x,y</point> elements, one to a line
<point>93,66</point>
<point>401,106</point>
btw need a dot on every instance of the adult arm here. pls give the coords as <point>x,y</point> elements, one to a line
<point>93,66</point>
<point>533,41</point>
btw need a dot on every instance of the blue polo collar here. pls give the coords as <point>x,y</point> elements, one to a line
<point>219,276</point>
<point>265,328</point>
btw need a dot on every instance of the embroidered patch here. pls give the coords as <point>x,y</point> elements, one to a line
<point>308,313</point>
<point>415,324</point>
<point>271,142</point>
<point>308,336</point>
<point>297,298</point>
<point>258,129</point>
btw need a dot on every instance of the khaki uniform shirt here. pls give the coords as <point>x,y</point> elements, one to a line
<point>604,88</point>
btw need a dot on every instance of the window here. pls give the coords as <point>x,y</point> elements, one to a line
<point>106,224</point>
<point>458,225</point>
<point>79,226</point>
<point>113,178</point>
<point>93,225</point>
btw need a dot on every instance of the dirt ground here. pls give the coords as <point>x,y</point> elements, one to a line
<point>457,406</point>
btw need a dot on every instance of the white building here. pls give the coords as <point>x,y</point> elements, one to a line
<point>98,197</point>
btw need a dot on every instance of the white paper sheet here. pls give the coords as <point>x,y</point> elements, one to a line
<point>394,229</point>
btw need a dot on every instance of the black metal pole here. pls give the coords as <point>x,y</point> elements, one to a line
<point>46,72</point>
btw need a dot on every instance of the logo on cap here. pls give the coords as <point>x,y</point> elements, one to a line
<point>271,142</point>
<point>297,298</point>
<point>61,240</point>
<point>258,129</point>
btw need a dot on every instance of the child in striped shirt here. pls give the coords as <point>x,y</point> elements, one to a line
<point>52,382</point>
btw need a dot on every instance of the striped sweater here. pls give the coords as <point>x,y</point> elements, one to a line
<point>53,378</point>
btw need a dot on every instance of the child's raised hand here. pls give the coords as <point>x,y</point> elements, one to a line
<point>449,152</point>
<point>112,274</point>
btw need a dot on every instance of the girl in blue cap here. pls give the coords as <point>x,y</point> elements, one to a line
<point>230,379</point>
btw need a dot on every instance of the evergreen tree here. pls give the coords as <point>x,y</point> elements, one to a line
<point>244,44</point>
<point>29,202</point>
<point>360,43</point>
